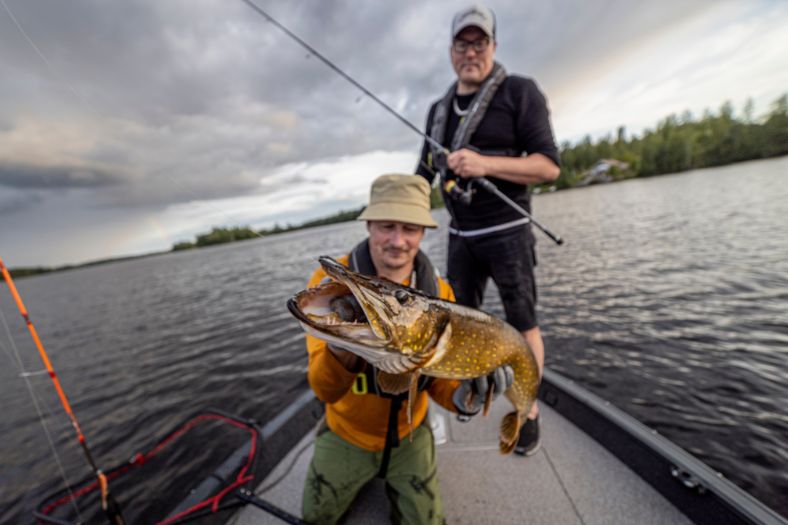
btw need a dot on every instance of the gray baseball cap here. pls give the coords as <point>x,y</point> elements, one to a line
<point>475,15</point>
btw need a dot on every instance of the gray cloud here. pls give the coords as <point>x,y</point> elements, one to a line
<point>14,202</point>
<point>153,62</point>
<point>55,177</point>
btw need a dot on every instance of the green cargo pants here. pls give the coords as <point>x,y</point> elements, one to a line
<point>339,470</point>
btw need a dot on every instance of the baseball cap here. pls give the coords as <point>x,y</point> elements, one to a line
<point>475,15</point>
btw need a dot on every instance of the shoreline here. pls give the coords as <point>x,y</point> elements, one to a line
<point>31,271</point>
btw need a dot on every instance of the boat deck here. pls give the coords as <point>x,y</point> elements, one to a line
<point>570,480</point>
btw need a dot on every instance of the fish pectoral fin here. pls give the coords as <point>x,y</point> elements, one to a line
<point>393,383</point>
<point>413,387</point>
<point>439,350</point>
<point>391,361</point>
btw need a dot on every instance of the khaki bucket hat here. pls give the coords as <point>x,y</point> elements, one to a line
<point>401,198</point>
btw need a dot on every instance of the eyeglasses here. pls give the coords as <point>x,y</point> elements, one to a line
<point>460,46</point>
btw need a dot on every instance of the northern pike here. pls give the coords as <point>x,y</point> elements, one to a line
<point>405,333</point>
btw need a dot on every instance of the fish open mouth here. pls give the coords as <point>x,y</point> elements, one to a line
<point>331,311</point>
<point>353,306</point>
<point>328,305</point>
<point>359,313</point>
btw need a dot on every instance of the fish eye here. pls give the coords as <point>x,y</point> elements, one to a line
<point>401,296</point>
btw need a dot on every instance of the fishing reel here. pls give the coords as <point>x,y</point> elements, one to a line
<point>455,192</point>
<point>450,186</point>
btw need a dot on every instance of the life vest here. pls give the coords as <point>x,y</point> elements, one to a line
<point>461,139</point>
<point>468,124</point>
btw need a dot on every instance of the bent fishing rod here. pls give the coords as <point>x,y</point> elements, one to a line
<point>108,503</point>
<point>448,186</point>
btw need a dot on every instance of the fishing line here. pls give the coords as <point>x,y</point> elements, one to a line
<point>24,374</point>
<point>21,372</point>
<point>344,75</point>
<point>41,419</point>
<point>40,53</point>
<point>448,186</point>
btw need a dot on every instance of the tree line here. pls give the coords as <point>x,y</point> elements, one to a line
<point>224,235</point>
<point>682,142</point>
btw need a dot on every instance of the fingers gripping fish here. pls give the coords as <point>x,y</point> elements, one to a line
<point>405,333</point>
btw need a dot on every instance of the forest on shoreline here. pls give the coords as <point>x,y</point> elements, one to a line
<point>682,142</point>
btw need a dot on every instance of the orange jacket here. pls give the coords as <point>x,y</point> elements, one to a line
<point>362,419</point>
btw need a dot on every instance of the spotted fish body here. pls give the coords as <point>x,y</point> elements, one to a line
<point>405,333</point>
<point>479,344</point>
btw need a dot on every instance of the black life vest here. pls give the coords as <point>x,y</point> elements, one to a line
<point>469,123</point>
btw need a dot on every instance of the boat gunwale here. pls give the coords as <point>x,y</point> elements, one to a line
<point>653,457</point>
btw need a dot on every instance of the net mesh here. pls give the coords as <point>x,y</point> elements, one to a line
<point>190,473</point>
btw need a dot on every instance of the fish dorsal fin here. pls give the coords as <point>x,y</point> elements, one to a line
<point>440,348</point>
<point>393,383</point>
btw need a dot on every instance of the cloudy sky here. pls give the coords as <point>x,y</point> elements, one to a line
<point>128,126</point>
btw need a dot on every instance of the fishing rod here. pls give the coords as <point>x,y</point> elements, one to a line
<point>449,186</point>
<point>108,503</point>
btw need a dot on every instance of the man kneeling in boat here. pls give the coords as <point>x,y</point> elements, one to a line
<point>366,431</point>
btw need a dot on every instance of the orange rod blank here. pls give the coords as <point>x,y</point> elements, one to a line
<point>42,352</point>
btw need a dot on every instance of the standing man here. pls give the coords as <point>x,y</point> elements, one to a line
<point>497,126</point>
<point>367,433</point>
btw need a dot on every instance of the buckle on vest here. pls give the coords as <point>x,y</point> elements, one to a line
<point>360,385</point>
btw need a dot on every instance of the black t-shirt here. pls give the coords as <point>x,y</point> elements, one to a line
<point>517,122</point>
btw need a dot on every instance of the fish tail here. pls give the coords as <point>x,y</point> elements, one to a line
<point>510,431</point>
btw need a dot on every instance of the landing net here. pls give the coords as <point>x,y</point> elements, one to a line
<point>190,473</point>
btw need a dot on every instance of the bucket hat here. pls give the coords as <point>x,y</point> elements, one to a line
<point>401,198</point>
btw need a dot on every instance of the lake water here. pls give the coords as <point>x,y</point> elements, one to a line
<point>669,298</point>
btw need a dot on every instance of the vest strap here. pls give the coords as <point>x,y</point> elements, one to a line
<point>392,437</point>
<point>468,125</point>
